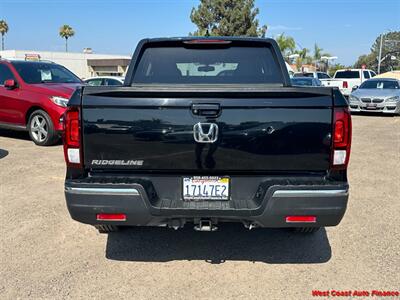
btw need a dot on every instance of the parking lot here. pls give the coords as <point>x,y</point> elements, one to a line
<point>46,255</point>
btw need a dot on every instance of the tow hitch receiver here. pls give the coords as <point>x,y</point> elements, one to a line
<point>205,225</point>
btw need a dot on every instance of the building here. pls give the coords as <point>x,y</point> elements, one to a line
<point>85,64</point>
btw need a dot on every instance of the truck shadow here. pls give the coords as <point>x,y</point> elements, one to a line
<point>232,242</point>
<point>3,153</point>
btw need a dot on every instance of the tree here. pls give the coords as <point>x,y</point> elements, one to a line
<point>227,18</point>
<point>390,48</point>
<point>317,53</point>
<point>333,68</point>
<point>3,31</point>
<point>286,44</point>
<point>303,58</point>
<point>66,32</point>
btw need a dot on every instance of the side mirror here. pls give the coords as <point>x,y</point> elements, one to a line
<point>10,84</point>
<point>354,88</point>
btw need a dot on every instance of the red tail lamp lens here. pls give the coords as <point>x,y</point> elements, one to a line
<point>301,219</point>
<point>339,132</point>
<point>111,217</point>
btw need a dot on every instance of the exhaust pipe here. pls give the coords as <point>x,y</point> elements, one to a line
<point>205,225</point>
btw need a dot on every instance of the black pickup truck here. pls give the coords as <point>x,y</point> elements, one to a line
<point>204,131</point>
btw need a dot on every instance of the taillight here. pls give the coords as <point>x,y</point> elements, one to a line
<point>345,85</point>
<point>111,217</point>
<point>301,219</point>
<point>341,138</point>
<point>207,41</point>
<point>72,138</point>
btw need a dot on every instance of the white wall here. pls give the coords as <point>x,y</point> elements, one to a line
<point>76,62</point>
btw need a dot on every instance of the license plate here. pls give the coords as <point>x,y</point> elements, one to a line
<point>205,188</point>
<point>371,106</point>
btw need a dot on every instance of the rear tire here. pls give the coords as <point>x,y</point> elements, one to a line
<point>106,228</point>
<point>306,230</point>
<point>41,129</point>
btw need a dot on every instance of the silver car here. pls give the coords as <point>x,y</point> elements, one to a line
<point>376,95</point>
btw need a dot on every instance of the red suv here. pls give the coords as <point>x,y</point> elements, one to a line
<point>33,97</point>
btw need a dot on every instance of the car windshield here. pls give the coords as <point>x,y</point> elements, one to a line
<point>380,84</point>
<point>347,74</point>
<point>180,65</point>
<point>302,81</point>
<point>34,73</point>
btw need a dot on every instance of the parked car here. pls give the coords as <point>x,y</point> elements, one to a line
<point>306,81</point>
<point>348,79</point>
<point>377,95</point>
<point>317,75</point>
<point>180,143</point>
<point>104,80</point>
<point>33,97</point>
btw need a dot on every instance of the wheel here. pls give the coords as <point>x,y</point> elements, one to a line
<point>307,230</point>
<point>106,228</point>
<point>41,129</point>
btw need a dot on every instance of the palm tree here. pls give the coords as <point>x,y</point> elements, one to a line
<point>66,32</point>
<point>317,52</point>
<point>303,57</point>
<point>286,44</point>
<point>3,31</point>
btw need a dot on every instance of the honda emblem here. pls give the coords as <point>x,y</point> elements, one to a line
<point>205,132</point>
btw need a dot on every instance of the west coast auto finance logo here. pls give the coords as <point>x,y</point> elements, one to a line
<point>356,293</point>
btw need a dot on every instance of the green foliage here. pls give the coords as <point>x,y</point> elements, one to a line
<point>286,44</point>
<point>334,68</point>
<point>227,18</point>
<point>304,57</point>
<point>390,47</point>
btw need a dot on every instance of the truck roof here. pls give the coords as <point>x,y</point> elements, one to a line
<point>210,38</point>
<point>341,70</point>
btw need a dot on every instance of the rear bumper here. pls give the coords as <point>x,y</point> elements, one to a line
<point>326,202</point>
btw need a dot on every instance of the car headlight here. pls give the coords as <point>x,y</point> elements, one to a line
<point>393,99</point>
<point>60,101</point>
<point>353,98</point>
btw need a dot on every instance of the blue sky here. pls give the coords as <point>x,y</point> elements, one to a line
<point>344,28</point>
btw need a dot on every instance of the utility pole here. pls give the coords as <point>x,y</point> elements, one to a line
<point>380,55</point>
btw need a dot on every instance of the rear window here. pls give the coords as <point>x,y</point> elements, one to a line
<point>232,65</point>
<point>303,75</point>
<point>380,84</point>
<point>347,74</point>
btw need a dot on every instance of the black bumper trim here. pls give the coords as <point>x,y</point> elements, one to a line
<point>327,203</point>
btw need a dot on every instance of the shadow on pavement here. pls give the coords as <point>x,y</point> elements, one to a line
<point>373,114</point>
<point>15,134</point>
<point>20,135</point>
<point>3,153</point>
<point>232,242</point>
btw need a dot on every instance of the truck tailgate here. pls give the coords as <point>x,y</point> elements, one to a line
<point>286,129</point>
